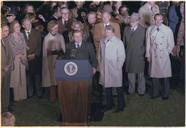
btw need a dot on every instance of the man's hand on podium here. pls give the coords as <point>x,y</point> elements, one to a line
<point>94,70</point>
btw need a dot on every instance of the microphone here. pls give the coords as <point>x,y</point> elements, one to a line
<point>73,54</point>
<point>158,29</point>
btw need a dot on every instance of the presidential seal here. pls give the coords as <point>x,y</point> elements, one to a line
<point>71,68</point>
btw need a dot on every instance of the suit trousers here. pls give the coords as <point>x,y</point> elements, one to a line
<point>140,81</point>
<point>5,92</point>
<point>33,84</point>
<point>158,89</point>
<point>120,98</point>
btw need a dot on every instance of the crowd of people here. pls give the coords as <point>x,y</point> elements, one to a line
<point>122,46</point>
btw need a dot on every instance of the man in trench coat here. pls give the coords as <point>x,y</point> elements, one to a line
<point>159,44</point>
<point>111,58</point>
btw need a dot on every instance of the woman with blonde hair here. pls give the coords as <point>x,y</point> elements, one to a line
<point>53,46</point>
<point>18,75</point>
<point>78,25</point>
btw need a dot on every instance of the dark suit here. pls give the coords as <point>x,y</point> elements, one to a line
<point>85,52</point>
<point>64,28</point>
<point>34,66</point>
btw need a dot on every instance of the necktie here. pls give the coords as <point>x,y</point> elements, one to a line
<point>77,45</point>
<point>158,29</point>
<point>28,35</point>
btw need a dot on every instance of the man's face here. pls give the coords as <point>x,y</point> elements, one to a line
<point>133,22</point>
<point>79,4</point>
<point>78,37</point>
<point>30,9</point>
<point>10,18</point>
<point>106,18</point>
<point>27,25</point>
<point>65,14</point>
<point>5,31</point>
<point>17,28</point>
<point>158,20</point>
<point>54,30</point>
<point>124,11</point>
<point>92,18</point>
<point>108,34</point>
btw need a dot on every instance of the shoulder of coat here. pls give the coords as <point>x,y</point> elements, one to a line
<point>116,39</point>
<point>114,24</point>
<point>47,36</point>
<point>59,35</point>
<point>99,24</point>
<point>141,28</point>
<point>36,31</point>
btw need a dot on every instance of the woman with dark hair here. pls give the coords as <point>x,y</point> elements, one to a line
<point>18,75</point>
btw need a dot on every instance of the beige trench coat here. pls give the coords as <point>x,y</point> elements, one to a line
<point>159,45</point>
<point>111,59</point>
<point>18,74</point>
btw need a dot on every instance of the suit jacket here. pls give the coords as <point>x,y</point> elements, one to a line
<point>85,52</point>
<point>6,55</point>
<point>34,44</point>
<point>99,33</point>
<point>65,28</point>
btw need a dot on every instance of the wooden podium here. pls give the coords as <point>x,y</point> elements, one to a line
<point>74,82</point>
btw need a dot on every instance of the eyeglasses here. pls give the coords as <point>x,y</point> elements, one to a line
<point>65,13</point>
<point>9,15</point>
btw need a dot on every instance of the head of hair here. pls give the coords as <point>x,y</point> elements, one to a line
<point>25,19</point>
<point>12,25</point>
<point>55,9</point>
<point>63,8</point>
<point>157,14</point>
<point>3,24</point>
<point>77,22</point>
<point>27,5</point>
<point>30,15</point>
<point>8,119</point>
<point>109,28</point>
<point>123,6</point>
<point>77,31</point>
<point>91,12</point>
<point>51,24</point>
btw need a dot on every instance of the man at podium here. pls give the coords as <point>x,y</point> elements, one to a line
<point>81,50</point>
<point>74,94</point>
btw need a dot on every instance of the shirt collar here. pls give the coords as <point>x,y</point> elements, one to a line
<point>28,31</point>
<point>134,28</point>
<point>106,24</point>
<point>78,44</point>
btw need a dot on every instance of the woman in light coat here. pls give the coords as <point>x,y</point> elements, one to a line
<point>18,75</point>
<point>53,46</point>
